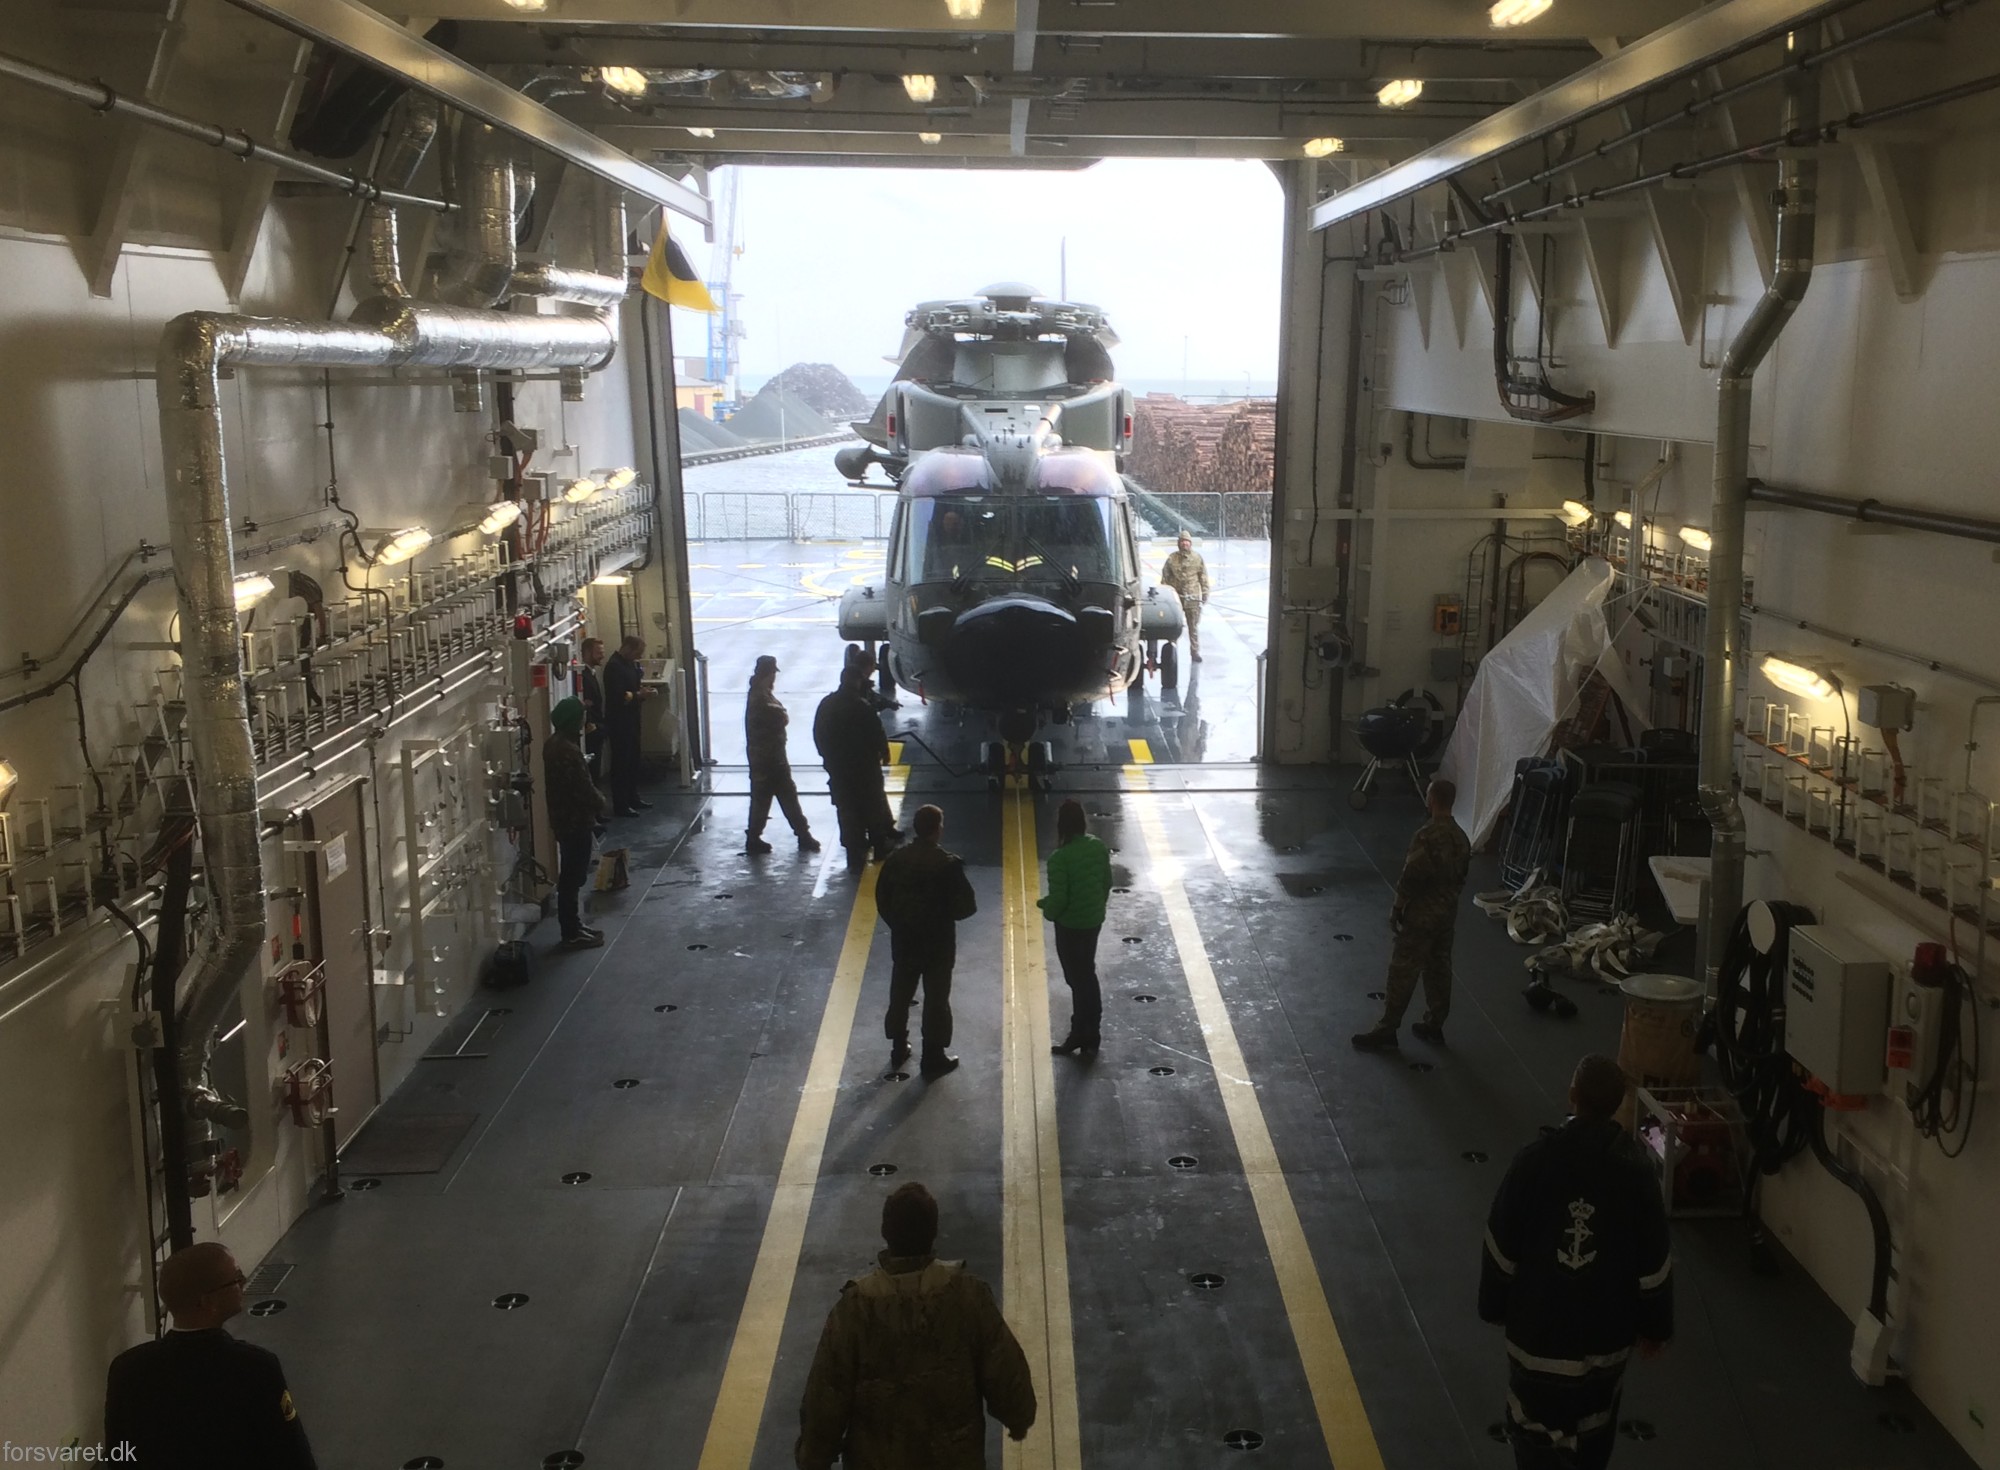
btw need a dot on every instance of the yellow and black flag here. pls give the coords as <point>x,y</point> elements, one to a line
<point>669,276</point>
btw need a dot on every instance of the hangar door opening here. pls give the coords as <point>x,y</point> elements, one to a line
<point>968,391</point>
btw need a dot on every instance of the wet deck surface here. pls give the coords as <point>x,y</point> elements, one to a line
<point>1250,931</point>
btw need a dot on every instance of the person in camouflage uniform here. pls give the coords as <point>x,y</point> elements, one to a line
<point>913,1357</point>
<point>1423,919</point>
<point>764,722</point>
<point>1187,574</point>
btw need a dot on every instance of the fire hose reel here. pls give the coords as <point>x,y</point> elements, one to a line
<point>308,1091</point>
<point>302,987</point>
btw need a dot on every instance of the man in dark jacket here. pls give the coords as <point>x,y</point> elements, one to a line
<point>764,722</point>
<point>1577,1268</point>
<point>913,1357</point>
<point>575,807</point>
<point>624,692</point>
<point>921,894</point>
<point>590,689</point>
<point>848,734</point>
<point>1424,918</point>
<point>198,1399</point>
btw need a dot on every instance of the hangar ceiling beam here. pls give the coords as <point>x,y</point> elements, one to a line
<point>1174,59</point>
<point>1680,50</point>
<point>355,29</point>
<point>1441,20</point>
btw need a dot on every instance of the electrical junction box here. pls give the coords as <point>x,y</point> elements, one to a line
<point>1885,706</point>
<point>1836,1008</point>
<point>1911,1053</point>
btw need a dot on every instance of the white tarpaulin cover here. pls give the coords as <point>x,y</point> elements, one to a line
<point>1523,689</point>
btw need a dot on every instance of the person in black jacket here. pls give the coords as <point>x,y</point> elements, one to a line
<point>848,734</point>
<point>1577,1268</point>
<point>575,809</point>
<point>590,689</point>
<point>624,693</point>
<point>198,1399</point>
<point>921,893</point>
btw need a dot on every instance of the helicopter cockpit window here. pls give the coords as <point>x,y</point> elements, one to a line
<point>1069,534</point>
<point>954,536</point>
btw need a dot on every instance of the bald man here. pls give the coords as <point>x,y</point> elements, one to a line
<point>198,1399</point>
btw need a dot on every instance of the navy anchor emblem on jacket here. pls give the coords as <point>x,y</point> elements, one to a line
<point>1576,1257</point>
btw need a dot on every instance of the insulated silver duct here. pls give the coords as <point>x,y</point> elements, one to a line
<point>414,132</point>
<point>194,350</point>
<point>486,219</point>
<point>1798,178</point>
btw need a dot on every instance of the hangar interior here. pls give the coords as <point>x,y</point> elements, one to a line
<point>330,398</point>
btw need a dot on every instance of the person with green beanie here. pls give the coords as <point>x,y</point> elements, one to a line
<point>1079,890</point>
<point>575,806</point>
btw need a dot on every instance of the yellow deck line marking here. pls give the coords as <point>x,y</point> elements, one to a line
<point>1035,1250</point>
<point>895,752</point>
<point>1142,752</point>
<point>1350,1440</point>
<point>753,1353</point>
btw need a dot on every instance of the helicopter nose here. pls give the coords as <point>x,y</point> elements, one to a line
<point>1014,646</point>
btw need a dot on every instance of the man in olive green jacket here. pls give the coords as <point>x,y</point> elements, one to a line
<point>1079,889</point>
<point>913,1357</point>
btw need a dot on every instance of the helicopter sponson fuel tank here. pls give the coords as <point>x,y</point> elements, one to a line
<point>1012,580</point>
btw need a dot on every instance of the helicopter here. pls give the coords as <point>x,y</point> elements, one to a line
<point>1012,583</point>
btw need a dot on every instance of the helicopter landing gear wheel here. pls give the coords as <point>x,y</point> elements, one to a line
<point>1170,666</point>
<point>884,680</point>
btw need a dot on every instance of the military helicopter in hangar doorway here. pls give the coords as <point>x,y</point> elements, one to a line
<point>1013,583</point>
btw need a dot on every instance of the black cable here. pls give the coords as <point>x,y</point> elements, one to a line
<point>1942,1105</point>
<point>1878,1217</point>
<point>1746,1030</point>
<point>914,738</point>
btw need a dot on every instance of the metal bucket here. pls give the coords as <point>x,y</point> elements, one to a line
<point>1656,1046</point>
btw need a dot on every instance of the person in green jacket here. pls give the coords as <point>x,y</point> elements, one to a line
<point>1079,888</point>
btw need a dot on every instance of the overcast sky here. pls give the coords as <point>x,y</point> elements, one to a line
<point>1183,255</point>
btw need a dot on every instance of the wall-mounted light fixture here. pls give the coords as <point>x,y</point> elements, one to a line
<point>628,80</point>
<point>615,480</point>
<point>611,579</point>
<point>1516,12</point>
<point>1576,513</point>
<point>398,546</point>
<point>920,87</point>
<point>532,7</point>
<point>578,491</point>
<point>1624,519</point>
<point>251,589</point>
<point>1799,678</point>
<point>499,517</point>
<point>930,137</point>
<point>1400,93</point>
<point>964,9</point>
<point>9,779</point>
<point>1697,538</point>
<point>701,132</point>
<point>1322,147</point>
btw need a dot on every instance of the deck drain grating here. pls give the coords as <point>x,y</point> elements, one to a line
<point>624,1084</point>
<point>577,1176</point>
<point>1474,1156</point>
<point>881,1171</point>
<point>1144,1000</point>
<point>424,1462</point>
<point>267,1278</point>
<point>895,1076</point>
<point>511,1301</point>
<point>663,1009</point>
<point>562,1460</point>
<point>364,1183</point>
<point>1205,1281</point>
<point>1182,1161</point>
<point>269,1307</point>
<point>1161,1071</point>
<point>1243,1439</point>
<point>1640,1429</point>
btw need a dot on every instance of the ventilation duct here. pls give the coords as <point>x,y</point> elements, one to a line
<point>1798,179</point>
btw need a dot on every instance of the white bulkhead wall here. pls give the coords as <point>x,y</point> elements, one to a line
<point>82,486</point>
<point>1866,395</point>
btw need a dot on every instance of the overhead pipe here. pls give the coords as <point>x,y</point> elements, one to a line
<point>100,98</point>
<point>1878,513</point>
<point>416,129</point>
<point>195,350</point>
<point>487,218</point>
<point>1798,178</point>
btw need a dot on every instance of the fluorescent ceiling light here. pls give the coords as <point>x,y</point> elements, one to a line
<point>1516,12</point>
<point>1400,93</point>
<point>398,546</point>
<point>1798,679</point>
<point>964,9</point>
<point>9,779</point>
<point>500,517</point>
<point>921,88</point>
<point>252,589</point>
<point>930,137</point>
<point>619,478</point>
<point>701,132</point>
<point>1575,512</point>
<point>627,79</point>
<point>1624,519</point>
<point>578,491</point>
<point>1699,539</point>
<point>611,579</point>
<point>1320,147</point>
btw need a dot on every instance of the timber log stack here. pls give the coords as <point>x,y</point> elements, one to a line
<point>1182,448</point>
